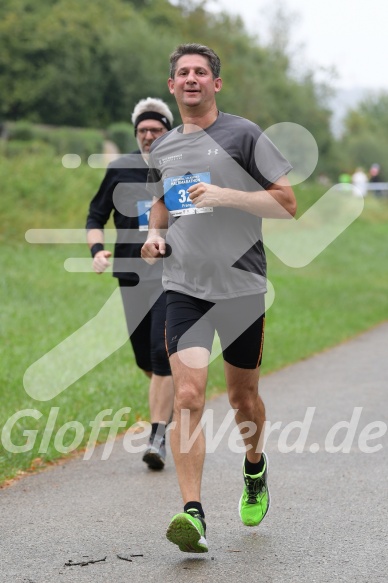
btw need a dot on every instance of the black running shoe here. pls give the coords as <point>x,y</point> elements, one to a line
<point>155,454</point>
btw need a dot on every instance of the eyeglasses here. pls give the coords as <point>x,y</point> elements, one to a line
<point>154,131</point>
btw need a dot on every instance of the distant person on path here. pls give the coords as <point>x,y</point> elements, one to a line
<point>123,191</point>
<point>213,178</point>
<point>360,183</point>
<point>375,176</point>
<point>345,180</point>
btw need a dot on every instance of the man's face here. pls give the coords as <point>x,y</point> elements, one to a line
<point>147,131</point>
<point>193,84</point>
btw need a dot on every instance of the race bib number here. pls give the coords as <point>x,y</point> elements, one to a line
<point>143,211</point>
<point>176,195</point>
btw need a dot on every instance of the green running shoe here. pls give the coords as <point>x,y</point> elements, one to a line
<point>188,531</point>
<point>255,499</point>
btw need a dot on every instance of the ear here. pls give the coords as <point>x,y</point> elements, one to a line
<point>170,84</point>
<point>217,84</point>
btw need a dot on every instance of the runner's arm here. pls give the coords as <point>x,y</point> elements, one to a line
<point>100,255</point>
<point>277,202</point>
<point>155,246</point>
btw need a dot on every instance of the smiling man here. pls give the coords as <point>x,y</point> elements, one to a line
<point>213,180</point>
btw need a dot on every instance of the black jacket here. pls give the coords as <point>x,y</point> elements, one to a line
<point>123,191</point>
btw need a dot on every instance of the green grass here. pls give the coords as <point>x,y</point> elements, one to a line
<point>340,294</point>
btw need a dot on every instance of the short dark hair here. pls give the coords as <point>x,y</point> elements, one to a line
<point>195,49</point>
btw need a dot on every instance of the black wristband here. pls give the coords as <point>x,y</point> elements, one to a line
<point>96,248</point>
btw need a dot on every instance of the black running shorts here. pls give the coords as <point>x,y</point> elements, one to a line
<point>147,337</point>
<point>239,322</point>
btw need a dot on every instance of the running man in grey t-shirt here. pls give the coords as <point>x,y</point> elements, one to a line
<point>213,180</point>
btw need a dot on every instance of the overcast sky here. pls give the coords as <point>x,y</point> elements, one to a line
<point>351,35</point>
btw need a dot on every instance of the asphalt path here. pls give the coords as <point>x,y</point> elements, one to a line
<point>104,521</point>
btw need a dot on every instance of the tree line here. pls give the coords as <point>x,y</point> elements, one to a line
<point>85,64</point>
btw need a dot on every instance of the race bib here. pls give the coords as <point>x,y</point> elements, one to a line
<point>176,195</point>
<point>143,211</point>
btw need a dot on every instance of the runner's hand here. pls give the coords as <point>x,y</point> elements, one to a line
<point>100,261</point>
<point>204,195</point>
<point>153,249</point>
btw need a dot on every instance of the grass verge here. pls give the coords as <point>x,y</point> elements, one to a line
<point>340,294</point>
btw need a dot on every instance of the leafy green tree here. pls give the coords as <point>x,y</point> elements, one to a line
<point>66,62</point>
<point>59,61</point>
<point>365,136</point>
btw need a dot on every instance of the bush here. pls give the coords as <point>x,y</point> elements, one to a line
<point>62,140</point>
<point>14,148</point>
<point>21,130</point>
<point>121,133</point>
<point>83,142</point>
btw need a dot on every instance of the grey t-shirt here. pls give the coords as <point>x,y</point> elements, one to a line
<point>217,253</point>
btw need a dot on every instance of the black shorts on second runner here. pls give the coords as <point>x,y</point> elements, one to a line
<point>147,335</point>
<point>239,322</point>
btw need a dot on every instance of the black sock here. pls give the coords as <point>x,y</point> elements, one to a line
<point>254,469</point>
<point>196,505</point>
<point>158,429</point>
